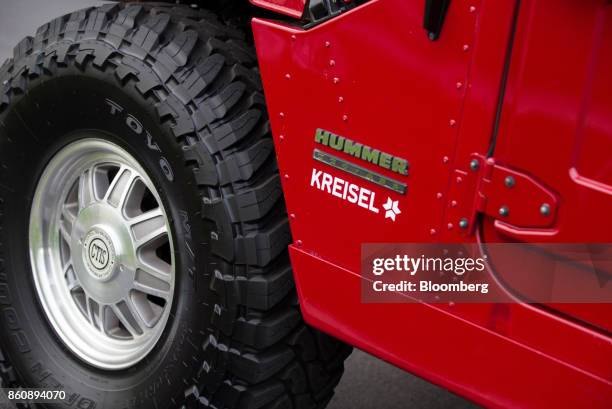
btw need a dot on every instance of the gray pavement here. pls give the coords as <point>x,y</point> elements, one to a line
<point>368,383</point>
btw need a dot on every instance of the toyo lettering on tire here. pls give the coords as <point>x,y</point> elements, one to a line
<point>143,232</point>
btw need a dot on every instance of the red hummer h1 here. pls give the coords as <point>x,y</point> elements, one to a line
<point>169,237</point>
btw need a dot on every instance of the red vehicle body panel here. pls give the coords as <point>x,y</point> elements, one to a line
<point>372,75</point>
<point>500,365</point>
<point>293,8</point>
<point>557,124</point>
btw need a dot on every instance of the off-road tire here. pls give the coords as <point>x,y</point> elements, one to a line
<point>236,338</point>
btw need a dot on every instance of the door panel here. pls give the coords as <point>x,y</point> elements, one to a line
<point>556,125</point>
<point>373,76</point>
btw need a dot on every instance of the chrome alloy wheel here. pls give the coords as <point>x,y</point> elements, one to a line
<point>102,253</point>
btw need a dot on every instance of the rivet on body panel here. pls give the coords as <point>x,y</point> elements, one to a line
<point>504,211</point>
<point>474,165</point>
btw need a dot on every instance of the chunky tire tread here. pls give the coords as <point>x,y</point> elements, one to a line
<point>201,75</point>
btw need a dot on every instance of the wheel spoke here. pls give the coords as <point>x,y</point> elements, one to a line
<point>152,285</point>
<point>87,188</point>
<point>72,280</point>
<point>127,314</point>
<point>110,323</point>
<point>148,226</point>
<point>155,268</point>
<point>69,213</point>
<point>146,217</point>
<point>154,231</point>
<point>93,312</point>
<point>65,232</point>
<point>120,186</point>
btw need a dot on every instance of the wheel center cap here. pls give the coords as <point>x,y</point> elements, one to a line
<point>99,255</point>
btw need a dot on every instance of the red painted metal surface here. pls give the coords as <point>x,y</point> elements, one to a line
<point>293,8</point>
<point>487,365</point>
<point>557,125</point>
<point>373,76</point>
<point>399,95</point>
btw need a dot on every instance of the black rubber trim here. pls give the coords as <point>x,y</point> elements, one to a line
<point>504,80</point>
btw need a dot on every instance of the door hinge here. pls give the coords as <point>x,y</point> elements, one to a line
<point>517,200</point>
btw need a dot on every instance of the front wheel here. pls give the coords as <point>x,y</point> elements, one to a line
<point>143,233</point>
